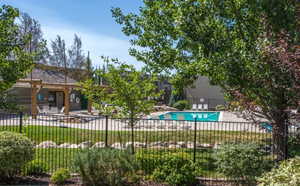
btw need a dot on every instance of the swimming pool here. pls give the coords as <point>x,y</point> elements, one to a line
<point>190,116</point>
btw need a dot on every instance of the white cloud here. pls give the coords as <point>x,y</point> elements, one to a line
<point>97,44</point>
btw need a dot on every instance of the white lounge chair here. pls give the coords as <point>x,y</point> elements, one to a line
<point>200,106</point>
<point>205,106</point>
<point>194,107</point>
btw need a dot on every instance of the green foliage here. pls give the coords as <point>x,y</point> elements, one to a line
<point>15,151</point>
<point>106,167</point>
<point>287,174</point>
<point>182,105</point>
<point>175,169</point>
<point>220,107</point>
<point>129,91</point>
<point>15,62</point>
<point>35,168</point>
<point>60,176</point>
<point>294,144</point>
<point>241,161</point>
<point>234,43</point>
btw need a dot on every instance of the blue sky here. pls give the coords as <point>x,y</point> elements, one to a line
<point>90,19</point>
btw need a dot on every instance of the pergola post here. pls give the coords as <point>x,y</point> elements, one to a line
<point>34,110</point>
<point>67,100</point>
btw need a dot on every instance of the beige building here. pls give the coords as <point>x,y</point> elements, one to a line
<point>46,90</point>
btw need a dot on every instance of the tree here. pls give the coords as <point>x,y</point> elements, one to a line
<point>15,62</point>
<point>129,91</point>
<point>229,42</point>
<point>58,57</point>
<point>76,57</point>
<point>89,67</point>
<point>37,44</point>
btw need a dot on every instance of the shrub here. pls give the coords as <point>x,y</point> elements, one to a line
<point>106,167</point>
<point>176,169</point>
<point>148,162</point>
<point>182,105</point>
<point>242,161</point>
<point>287,174</point>
<point>35,168</point>
<point>15,151</point>
<point>60,176</point>
<point>294,144</point>
<point>220,107</point>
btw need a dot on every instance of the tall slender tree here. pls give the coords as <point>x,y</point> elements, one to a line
<point>30,27</point>
<point>75,54</point>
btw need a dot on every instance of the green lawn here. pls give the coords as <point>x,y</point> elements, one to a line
<point>71,135</point>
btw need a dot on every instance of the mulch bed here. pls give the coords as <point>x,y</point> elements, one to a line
<point>45,180</point>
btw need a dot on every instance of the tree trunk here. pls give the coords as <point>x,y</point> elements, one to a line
<point>280,137</point>
<point>132,134</point>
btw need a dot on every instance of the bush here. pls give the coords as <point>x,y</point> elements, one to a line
<point>287,174</point>
<point>15,151</point>
<point>148,161</point>
<point>176,169</point>
<point>294,144</point>
<point>182,105</point>
<point>220,108</point>
<point>60,176</point>
<point>106,167</point>
<point>242,161</point>
<point>35,168</point>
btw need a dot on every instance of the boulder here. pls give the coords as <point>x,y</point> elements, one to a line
<point>117,146</point>
<point>64,145</point>
<point>99,145</point>
<point>181,144</point>
<point>73,146</point>
<point>174,146</point>
<point>47,144</point>
<point>85,144</point>
<point>136,144</point>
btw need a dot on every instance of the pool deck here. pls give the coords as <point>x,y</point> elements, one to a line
<point>228,122</point>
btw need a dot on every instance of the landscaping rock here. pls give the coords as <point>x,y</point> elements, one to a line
<point>174,146</point>
<point>64,145</point>
<point>99,145</point>
<point>206,145</point>
<point>181,143</point>
<point>47,144</point>
<point>117,146</point>
<point>73,146</point>
<point>85,144</point>
<point>136,144</point>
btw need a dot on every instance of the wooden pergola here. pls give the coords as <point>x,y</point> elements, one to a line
<point>66,88</point>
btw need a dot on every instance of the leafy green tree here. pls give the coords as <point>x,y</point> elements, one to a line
<point>232,42</point>
<point>15,62</point>
<point>128,91</point>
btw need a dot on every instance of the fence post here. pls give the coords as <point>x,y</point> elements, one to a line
<point>195,139</point>
<point>286,137</point>
<point>106,131</point>
<point>21,122</point>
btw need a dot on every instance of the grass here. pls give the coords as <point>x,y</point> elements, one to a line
<point>72,135</point>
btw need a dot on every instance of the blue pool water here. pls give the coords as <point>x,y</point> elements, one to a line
<point>190,116</point>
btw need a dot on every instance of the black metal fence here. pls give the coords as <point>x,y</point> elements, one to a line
<point>58,138</point>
